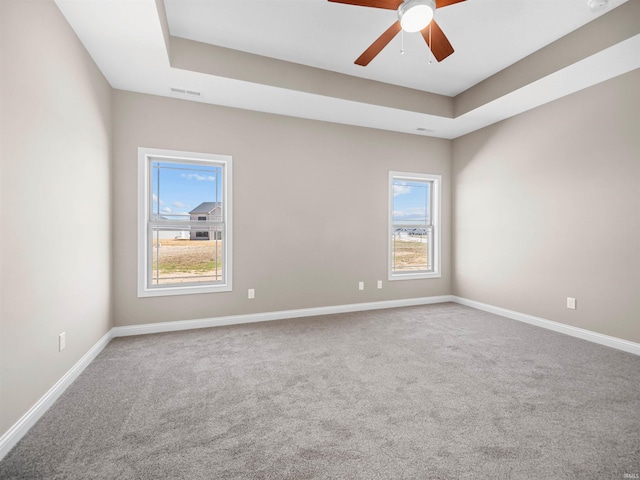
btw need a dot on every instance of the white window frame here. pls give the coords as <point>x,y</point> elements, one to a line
<point>436,181</point>
<point>145,157</point>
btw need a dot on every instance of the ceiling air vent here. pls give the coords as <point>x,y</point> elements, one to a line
<point>183,91</point>
<point>597,5</point>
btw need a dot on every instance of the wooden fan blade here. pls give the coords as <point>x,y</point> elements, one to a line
<point>441,47</point>
<point>387,4</point>
<point>375,48</point>
<point>443,3</point>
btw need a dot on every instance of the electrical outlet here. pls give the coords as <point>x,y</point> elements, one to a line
<point>360,285</point>
<point>571,303</point>
<point>252,293</point>
<point>379,283</point>
<point>62,341</point>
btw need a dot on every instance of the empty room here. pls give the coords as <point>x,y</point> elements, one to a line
<point>319,239</point>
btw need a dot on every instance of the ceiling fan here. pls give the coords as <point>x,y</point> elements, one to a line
<point>413,16</point>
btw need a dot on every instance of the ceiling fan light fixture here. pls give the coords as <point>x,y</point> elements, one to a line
<point>414,15</point>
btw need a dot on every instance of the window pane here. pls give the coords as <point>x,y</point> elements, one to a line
<point>411,249</point>
<point>411,202</point>
<point>181,256</point>
<point>186,191</point>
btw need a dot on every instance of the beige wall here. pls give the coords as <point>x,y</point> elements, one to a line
<point>547,206</point>
<point>310,207</point>
<point>55,203</point>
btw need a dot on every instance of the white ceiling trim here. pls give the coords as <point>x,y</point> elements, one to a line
<point>604,65</point>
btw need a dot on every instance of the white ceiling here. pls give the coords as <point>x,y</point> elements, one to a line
<point>487,35</point>
<point>127,42</point>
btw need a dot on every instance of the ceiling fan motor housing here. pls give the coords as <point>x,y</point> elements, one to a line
<point>414,15</point>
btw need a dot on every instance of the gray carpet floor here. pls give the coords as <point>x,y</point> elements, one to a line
<point>431,392</point>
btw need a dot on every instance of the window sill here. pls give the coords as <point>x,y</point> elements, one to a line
<point>414,276</point>
<point>187,290</point>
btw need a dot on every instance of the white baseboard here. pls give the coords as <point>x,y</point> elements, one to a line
<point>588,335</point>
<point>269,316</point>
<point>22,426</point>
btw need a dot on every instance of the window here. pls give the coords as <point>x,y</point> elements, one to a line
<point>414,226</point>
<point>184,222</point>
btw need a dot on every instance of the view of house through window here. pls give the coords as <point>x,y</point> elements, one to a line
<point>186,225</point>
<point>413,211</point>
<point>182,252</point>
